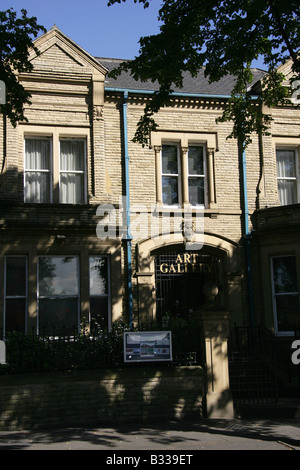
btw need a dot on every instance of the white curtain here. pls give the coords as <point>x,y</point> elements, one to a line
<point>72,171</point>
<point>37,170</point>
<point>286,177</point>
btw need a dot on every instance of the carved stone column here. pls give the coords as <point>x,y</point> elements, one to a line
<point>211,178</point>
<point>98,172</point>
<point>184,169</point>
<point>157,150</point>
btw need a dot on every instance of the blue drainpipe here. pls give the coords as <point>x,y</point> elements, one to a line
<point>127,198</point>
<point>247,234</point>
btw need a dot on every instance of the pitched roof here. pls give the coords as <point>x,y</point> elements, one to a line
<point>191,85</point>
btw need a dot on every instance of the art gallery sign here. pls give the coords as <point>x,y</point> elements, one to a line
<point>186,263</point>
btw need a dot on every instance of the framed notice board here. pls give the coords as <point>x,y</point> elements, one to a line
<point>147,346</point>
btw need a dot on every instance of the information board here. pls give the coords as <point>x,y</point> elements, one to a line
<point>147,346</point>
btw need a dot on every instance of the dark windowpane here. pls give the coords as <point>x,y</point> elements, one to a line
<point>15,315</point>
<point>195,161</point>
<point>196,191</point>
<point>99,313</point>
<point>170,190</point>
<point>58,315</point>
<point>169,159</point>
<point>288,313</point>
<point>285,274</point>
<point>15,276</point>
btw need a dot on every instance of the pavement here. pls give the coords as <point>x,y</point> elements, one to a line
<point>182,440</point>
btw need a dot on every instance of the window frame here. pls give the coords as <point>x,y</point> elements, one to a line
<point>275,295</point>
<point>107,296</point>
<point>177,175</point>
<point>56,134</point>
<point>196,176</point>
<point>296,178</point>
<point>50,171</point>
<point>15,296</point>
<point>81,172</point>
<point>78,297</point>
<point>209,141</point>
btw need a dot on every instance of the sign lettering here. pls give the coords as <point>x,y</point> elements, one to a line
<point>186,263</point>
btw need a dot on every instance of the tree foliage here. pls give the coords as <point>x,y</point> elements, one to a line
<point>16,39</point>
<point>224,36</point>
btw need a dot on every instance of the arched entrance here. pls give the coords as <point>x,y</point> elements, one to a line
<point>185,275</point>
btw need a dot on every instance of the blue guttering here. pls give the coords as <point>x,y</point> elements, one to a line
<point>183,94</point>
<point>127,198</point>
<point>151,92</point>
<point>247,235</point>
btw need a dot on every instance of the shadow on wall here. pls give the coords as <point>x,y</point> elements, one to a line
<point>115,397</point>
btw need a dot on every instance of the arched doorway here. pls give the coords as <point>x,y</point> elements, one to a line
<point>217,262</point>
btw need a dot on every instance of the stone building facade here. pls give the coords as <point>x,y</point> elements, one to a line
<point>95,227</point>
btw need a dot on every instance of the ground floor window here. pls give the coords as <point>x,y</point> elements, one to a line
<point>70,290</point>
<point>15,287</point>
<point>58,293</point>
<point>285,294</point>
<point>99,292</point>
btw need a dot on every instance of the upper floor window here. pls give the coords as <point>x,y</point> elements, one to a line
<point>55,170</point>
<point>183,175</point>
<point>185,169</point>
<point>170,175</point>
<point>196,175</point>
<point>287,176</point>
<point>72,162</point>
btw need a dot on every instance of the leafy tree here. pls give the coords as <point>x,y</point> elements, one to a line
<point>16,38</point>
<point>225,36</point>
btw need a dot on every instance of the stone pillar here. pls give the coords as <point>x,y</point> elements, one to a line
<point>146,298</point>
<point>184,169</point>
<point>211,178</point>
<point>215,326</point>
<point>157,149</point>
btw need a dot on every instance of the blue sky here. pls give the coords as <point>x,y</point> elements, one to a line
<point>101,30</point>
